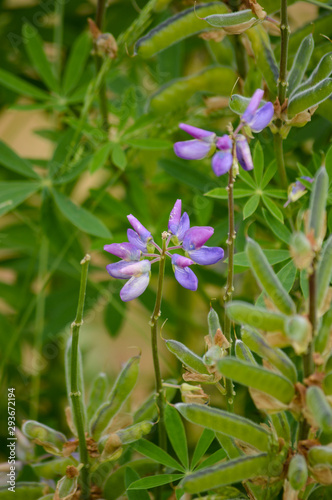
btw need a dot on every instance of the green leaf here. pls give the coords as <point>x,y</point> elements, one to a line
<point>153,451</point>
<point>152,144</point>
<point>100,157</point>
<point>80,217</point>
<point>119,157</point>
<point>177,434</point>
<point>279,229</point>
<point>222,193</point>
<point>35,51</point>
<point>268,174</point>
<point>287,276</point>
<point>272,207</point>
<point>130,477</point>
<point>12,193</point>
<point>154,481</point>
<point>273,257</point>
<point>328,164</point>
<point>114,315</point>
<point>11,160</point>
<point>246,177</point>
<point>115,486</point>
<point>185,174</point>
<point>305,172</point>
<point>18,85</point>
<point>74,171</point>
<point>213,459</point>
<point>251,206</point>
<point>304,283</point>
<point>76,62</point>
<point>276,193</point>
<point>202,446</point>
<point>258,159</point>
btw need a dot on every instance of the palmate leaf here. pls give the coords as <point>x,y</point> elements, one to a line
<point>154,481</point>
<point>153,451</point>
<point>11,160</point>
<point>115,486</point>
<point>130,477</point>
<point>202,446</point>
<point>176,434</point>
<point>185,174</point>
<point>251,206</point>
<point>279,229</point>
<point>150,144</point>
<point>272,207</point>
<point>12,193</point>
<point>76,62</point>
<point>258,160</point>
<point>18,85</point>
<point>222,193</point>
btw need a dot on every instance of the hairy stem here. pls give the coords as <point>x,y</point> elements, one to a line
<point>100,17</point>
<point>279,154</point>
<point>154,345</point>
<point>230,275</point>
<point>74,388</point>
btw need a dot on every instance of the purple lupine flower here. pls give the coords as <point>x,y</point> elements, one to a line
<point>206,142</point>
<point>135,267</point>
<point>297,189</point>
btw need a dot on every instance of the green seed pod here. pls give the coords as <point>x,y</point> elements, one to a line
<point>226,423</point>
<point>328,364</point>
<point>52,469</point>
<point>45,436</point>
<point>267,278</point>
<point>317,205</point>
<point>276,357</point>
<point>300,63</point>
<point>324,273</point>
<point>298,330</point>
<point>98,394</point>
<point>134,432</point>
<point>327,384</point>
<point>319,408</point>
<point>225,473</point>
<point>320,455</point>
<point>149,410</point>
<point>186,356</point>
<point>227,443</point>
<point>297,472</point>
<point>67,486</point>
<point>213,355</point>
<point>213,322</point>
<point>213,80</point>
<point>176,28</point>
<point>264,56</point>
<point>243,352</point>
<point>257,317</point>
<point>24,490</point>
<point>301,101</point>
<point>232,19</point>
<point>80,381</point>
<point>238,104</point>
<point>301,250</point>
<point>281,426</point>
<point>258,378</point>
<point>120,392</point>
<point>322,71</point>
<point>324,332</point>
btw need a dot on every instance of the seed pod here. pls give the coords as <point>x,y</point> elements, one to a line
<point>297,472</point>
<point>52,469</point>
<point>176,28</point>
<point>320,455</point>
<point>226,423</point>
<point>264,56</point>
<point>328,364</point>
<point>232,19</point>
<point>300,63</point>
<point>319,408</point>
<point>298,330</point>
<point>317,205</point>
<point>45,436</point>
<point>327,384</point>
<point>243,352</point>
<point>324,332</point>
<point>213,322</point>
<point>258,378</point>
<point>267,278</point>
<point>67,485</point>
<point>322,71</point>
<point>225,473</point>
<point>276,357</point>
<point>24,490</point>
<point>281,425</point>
<point>149,410</point>
<point>186,356</point>
<point>120,392</point>
<point>134,432</point>
<point>257,317</point>
<point>324,273</point>
<point>301,101</point>
<point>301,250</point>
<point>80,381</point>
<point>238,103</point>
<point>98,394</point>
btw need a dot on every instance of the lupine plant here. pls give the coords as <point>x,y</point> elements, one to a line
<point>240,402</point>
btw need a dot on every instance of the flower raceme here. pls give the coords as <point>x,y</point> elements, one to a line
<point>206,143</point>
<point>135,265</point>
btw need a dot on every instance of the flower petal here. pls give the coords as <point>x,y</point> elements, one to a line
<point>262,118</point>
<point>144,234</point>
<point>124,269</point>
<point>198,133</point>
<point>175,217</point>
<point>186,277</point>
<point>224,143</point>
<point>135,240</point>
<point>183,226</point>
<point>207,255</point>
<point>196,236</point>
<point>192,150</point>
<point>222,162</point>
<point>134,287</point>
<point>125,251</point>
<point>253,105</point>
<point>181,261</point>
<point>243,152</point>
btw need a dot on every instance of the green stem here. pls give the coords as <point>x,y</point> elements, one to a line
<point>230,275</point>
<point>58,36</point>
<point>74,388</point>
<point>154,344</point>
<point>39,326</point>
<point>100,18</point>
<point>279,154</point>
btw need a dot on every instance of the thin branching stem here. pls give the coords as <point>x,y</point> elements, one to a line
<point>103,104</point>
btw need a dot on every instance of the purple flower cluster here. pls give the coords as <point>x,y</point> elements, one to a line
<point>135,267</point>
<point>205,143</point>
